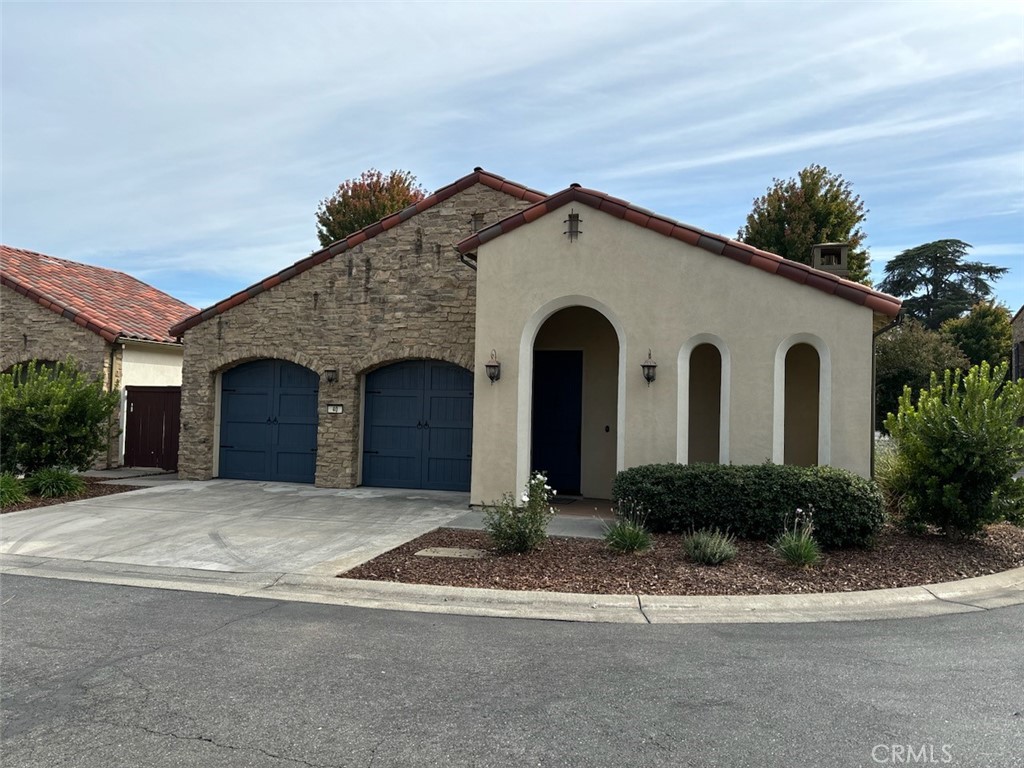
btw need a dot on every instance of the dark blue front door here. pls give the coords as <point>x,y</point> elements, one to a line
<point>558,418</point>
<point>269,422</point>
<point>418,431</point>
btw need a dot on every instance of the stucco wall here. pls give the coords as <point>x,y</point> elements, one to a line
<point>29,331</point>
<point>403,294</point>
<point>658,293</point>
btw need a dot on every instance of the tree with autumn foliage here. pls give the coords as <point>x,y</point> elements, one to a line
<point>818,206</point>
<point>361,201</point>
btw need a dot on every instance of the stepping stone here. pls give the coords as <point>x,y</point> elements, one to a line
<point>467,554</point>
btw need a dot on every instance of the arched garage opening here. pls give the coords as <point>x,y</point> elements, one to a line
<point>418,426</point>
<point>574,421</point>
<point>269,422</point>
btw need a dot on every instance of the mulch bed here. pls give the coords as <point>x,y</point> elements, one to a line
<point>588,566</point>
<point>93,488</point>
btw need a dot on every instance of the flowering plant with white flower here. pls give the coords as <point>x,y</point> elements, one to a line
<point>522,526</point>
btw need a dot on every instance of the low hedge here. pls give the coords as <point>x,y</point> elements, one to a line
<point>754,501</point>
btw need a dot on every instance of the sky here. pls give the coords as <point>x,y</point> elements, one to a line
<point>189,144</point>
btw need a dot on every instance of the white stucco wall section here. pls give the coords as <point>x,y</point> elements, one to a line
<point>151,365</point>
<point>825,415</point>
<point>683,404</point>
<point>524,412</point>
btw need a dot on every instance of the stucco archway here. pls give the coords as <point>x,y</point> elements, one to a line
<point>824,403</point>
<point>528,341</point>
<point>684,404</point>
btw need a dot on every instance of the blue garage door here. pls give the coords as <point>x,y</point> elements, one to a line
<point>418,430</point>
<point>268,422</point>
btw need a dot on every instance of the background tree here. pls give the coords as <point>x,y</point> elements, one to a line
<point>364,200</point>
<point>937,283</point>
<point>907,356</point>
<point>817,206</point>
<point>984,333</point>
<point>53,417</point>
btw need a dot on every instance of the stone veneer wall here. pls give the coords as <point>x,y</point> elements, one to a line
<point>401,295</point>
<point>29,331</point>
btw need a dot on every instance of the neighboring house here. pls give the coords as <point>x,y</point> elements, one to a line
<point>1017,355</point>
<point>115,327</point>
<point>367,362</point>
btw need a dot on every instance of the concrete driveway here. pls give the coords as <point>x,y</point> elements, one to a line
<point>231,525</point>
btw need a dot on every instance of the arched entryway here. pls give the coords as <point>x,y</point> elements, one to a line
<point>704,420</point>
<point>803,382</point>
<point>418,427</point>
<point>269,419</point>
<point>574,419</point>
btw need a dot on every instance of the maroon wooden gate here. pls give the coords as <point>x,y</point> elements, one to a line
<point>151,427</point>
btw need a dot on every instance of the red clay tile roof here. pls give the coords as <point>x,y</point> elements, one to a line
<point>716,244</point>
<point>478,176</point>
<point>104,301</point>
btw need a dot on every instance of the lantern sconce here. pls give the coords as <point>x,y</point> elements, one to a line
<point>649,367</point>
<point>572,225</point>
<point>493,367</point>
<point>331,374</point>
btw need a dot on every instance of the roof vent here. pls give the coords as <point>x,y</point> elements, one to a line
<point>832,258</point>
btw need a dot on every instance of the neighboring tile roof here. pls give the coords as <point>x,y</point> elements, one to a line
<point>716,244</point>
<point>478,176</point>
<point>104,301</point>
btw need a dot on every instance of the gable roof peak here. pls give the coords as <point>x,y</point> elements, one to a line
<point>708,241</point>
<point>478,176</point>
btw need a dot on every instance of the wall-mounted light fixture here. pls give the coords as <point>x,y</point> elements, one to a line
<point>572,226</point>
<point>331,375</point>
<point>650,368</point>
<point>493,367</point>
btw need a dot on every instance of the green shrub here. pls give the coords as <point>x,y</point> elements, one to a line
<point>710,547</point>
<point>797,545</point>
<point>754,501</point>
<point>961,445</point>
<point>629,532</point>
<point>628,536</point>
<point>516,528</point>
<point>1009,501</point>
<point>54,483</point>
<point>11,490</point>
<point>55,417</point>
<point>893,478</point>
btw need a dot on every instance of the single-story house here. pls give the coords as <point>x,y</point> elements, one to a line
<point>115,327</point>
<point>490,330</point>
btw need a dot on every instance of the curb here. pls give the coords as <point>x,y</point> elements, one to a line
<point>981,593</point>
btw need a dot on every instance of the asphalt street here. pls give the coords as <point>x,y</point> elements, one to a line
<point>101,675</point>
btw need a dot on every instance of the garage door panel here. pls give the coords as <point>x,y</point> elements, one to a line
<point>418,428</point>
<point>293,467</point>
<point>268,429</point>
<point>393,408</point>
<point>390,471</point>
<point>297,406</point>
<point>451,410</point>
<point>245,406</point>
<point>258,374</point>
<point>392,438</point>
<point>243,464</point>
<point>447,474</point>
